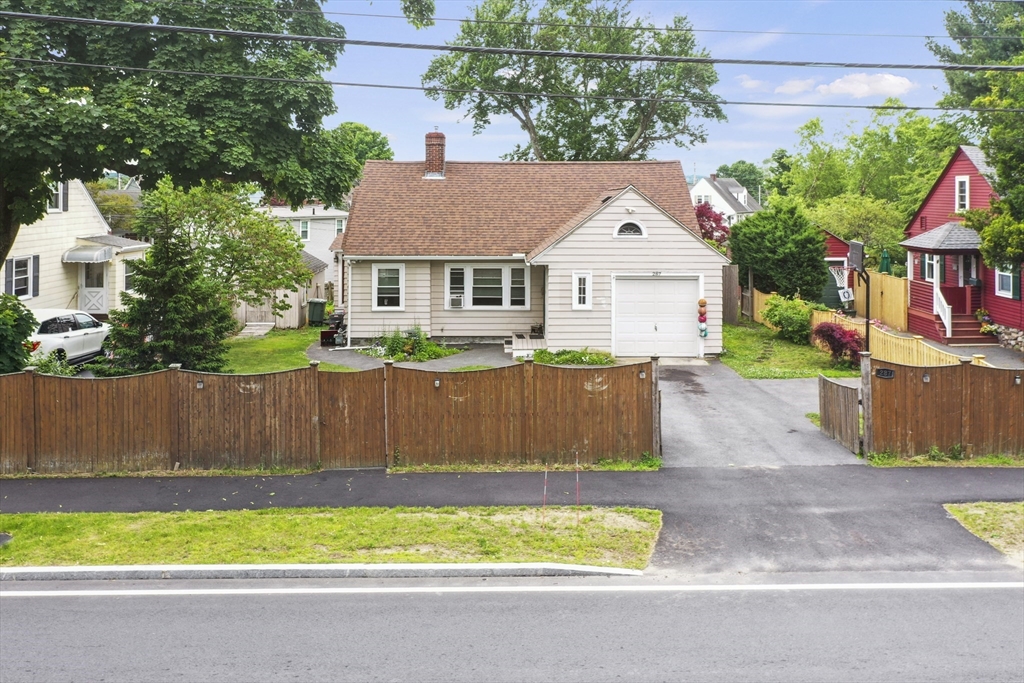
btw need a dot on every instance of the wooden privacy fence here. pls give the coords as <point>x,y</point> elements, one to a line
<point>889,298</point>
<point>301,418</point>
<point>978,409</point>
<point>839,411</point>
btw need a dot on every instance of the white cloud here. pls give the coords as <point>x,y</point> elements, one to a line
<point>863,85</point>
<point>749,83</point>
<point>795,86</point>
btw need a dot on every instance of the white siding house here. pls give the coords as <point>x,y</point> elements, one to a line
<point>69,259</point>
<point>726,196</point>
<point>317,226</point>
<point>559,255</point>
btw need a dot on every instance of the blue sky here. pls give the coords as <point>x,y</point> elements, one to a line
<point>751,133</point>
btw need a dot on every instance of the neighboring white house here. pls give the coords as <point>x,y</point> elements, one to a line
<point>69,259</point>
<point>726,196</point>
<point>317,226</point>
<point>540,255</point>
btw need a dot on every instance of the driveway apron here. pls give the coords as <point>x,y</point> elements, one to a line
<point>711,417</point>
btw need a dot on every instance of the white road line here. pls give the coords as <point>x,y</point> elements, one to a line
<point>400,590</point>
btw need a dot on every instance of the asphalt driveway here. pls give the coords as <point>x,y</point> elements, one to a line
<point>712,417</point>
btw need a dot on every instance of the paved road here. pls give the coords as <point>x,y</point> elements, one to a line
<point>933,635</point>
<point>716,520</point>
<point>711,417</point>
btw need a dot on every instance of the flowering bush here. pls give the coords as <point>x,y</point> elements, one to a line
<point>844,344</point>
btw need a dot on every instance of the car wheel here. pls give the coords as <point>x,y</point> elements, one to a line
<point>61,354</point>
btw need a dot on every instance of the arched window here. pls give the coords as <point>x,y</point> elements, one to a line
<point>630,229</point>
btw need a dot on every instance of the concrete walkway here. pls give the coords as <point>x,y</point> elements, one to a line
<point>999,356</point>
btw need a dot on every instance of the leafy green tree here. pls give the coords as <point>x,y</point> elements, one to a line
<point>571,128</point>
<point>1002,237</point>
<point>237,245</point>
<point>176,313</point>
<point>776,173</point>
<point>783,248</point>
<point>876,223</point>
<point>16,324</point>
<point>985,33</point>
<point>365,142</point>
<point>745,173</point>
<point>118,208</point>
<point>63,122</point>
<point>820,168</point>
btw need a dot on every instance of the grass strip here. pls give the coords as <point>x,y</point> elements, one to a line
<point>472,368</point>
<point>646,463</point>
<point>620,537</point>
<point>163,474</point>
<point>1000,524</point>
<point>891,460</point>
<point>278,350</point>
<point>755,352</point>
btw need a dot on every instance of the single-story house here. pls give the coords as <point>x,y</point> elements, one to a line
<point>726,196</point>
<point>604,255</point>
<point>948,279</point>
<point>69,259</point>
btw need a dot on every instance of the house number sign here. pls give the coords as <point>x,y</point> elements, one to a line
<point>885,373</point>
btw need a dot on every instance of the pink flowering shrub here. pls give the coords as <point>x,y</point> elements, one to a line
<point>844,344</point>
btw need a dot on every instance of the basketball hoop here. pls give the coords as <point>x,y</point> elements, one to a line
<point>839,274</point>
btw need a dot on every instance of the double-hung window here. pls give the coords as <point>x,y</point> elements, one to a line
<point>963,193</point>
<point>388,286</point>
<point>304,230</point>
<point>487,286</point>
<point>21,276</point>
<point>1007,284</point>
<point>582,292</point>
<point>339,225</point>
<point>129,276</point>
<point>931,266</point>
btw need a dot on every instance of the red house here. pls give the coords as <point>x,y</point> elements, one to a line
<point>948,280</point>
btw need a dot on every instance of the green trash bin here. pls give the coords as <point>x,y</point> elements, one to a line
<point>317,308</point>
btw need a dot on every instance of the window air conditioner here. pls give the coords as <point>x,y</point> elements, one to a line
<point>455,301</point>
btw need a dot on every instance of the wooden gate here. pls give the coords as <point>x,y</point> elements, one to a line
<point>839,409</point>
<point>352,419</point>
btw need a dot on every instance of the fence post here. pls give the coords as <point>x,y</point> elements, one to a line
<point>31,455</point>
<point>315,398</point>
<point>175,418</point>
<point>978,359</point>
<point>966,435</point>
<point>655,410</point>
<point>529,410</point>
<point>388,369</point>
<point>868,445</point>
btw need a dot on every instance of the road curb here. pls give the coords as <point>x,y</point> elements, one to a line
<point>308,571</point>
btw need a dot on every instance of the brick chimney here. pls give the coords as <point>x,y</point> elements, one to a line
<point>714,177</point>
<point>435,155</point>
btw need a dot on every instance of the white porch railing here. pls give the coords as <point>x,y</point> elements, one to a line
<point>942,309</point>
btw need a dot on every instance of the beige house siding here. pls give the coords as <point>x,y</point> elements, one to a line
<point>480,323</point>
<point>593,248</point>
<point>49,238</point>
<point>365,323</point>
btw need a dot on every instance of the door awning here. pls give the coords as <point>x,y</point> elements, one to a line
<point>88,255</point>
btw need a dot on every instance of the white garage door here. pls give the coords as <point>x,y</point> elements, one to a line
<point>656,316</point>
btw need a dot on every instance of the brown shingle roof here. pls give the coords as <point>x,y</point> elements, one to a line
<point>492,208</point>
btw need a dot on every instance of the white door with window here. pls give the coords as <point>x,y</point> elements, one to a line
<point>92,288</point>
<point>656,316</point>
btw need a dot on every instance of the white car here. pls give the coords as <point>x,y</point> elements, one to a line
<point>75,335</point>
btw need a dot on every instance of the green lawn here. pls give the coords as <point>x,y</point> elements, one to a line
<point>472,368</point>
<point>621,537</point>
<point>755,352</point>
<point>646,463</point>
<point>1001,524</point>
<point>279,350</point>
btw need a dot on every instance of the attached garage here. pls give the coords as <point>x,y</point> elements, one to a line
<point>656,315</point>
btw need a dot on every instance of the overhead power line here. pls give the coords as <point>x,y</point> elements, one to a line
<point>612,57</point>
<point>469,91</point>
<point>549,24</point>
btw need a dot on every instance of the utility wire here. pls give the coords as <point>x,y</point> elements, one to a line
<point>612,57</point>
<point>512,93</point>
<point>548,24</point>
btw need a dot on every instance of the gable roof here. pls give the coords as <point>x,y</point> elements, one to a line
<point>975,156</point>
<point>312,262</point>
<point>493,209</point>
<point>950,236</point>
<point>728,188</point>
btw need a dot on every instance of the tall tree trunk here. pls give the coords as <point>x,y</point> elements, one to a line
<point>8,227</point>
